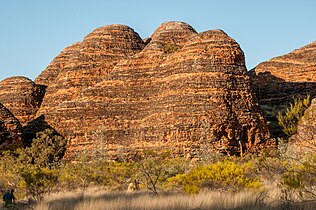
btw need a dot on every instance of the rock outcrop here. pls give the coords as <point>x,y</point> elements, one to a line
<point>305,139</point>
<point>52,70</point>
<point>297,66</point>
<point>283,78</point>
<point>10,130</point>
<point>181,91</point>
<point>22,97</point>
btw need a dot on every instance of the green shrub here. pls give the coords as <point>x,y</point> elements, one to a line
<point>289,120</point>
<point>9,170</point>
<point>299,182</point>
<point>80,172</point>
<point>153,170</point>
<point>170,48</point>
<point>47,149</point>
<point>226,175</point>
<point>117,175</point>
<point>34,169</point>
<point>38,182</point>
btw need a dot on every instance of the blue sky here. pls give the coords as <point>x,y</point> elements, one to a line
<point>33,32</point>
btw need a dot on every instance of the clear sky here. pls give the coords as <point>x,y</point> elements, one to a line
<point>33,32</point>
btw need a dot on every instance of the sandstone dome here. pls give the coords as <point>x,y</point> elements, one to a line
<point>141,97</point>
<point>22,97</point>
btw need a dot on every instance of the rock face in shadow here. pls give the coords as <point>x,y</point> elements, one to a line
<point>182,91</point>
<point>279,80</point>
<point>10,130</point>
<point>22,97</point>
<point>34,126</point>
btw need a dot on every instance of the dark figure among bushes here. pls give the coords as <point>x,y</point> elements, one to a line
<point>8,198</point>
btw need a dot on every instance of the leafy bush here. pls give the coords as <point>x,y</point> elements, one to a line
<point>9,170</point>
<point>38,182</point>
<point>226,175</point>
<point>34,169</point>
<point>289,120</point>
<point>77,175</point>
<point>170,48</point>
<point>117,175</point>
<point>85,171</point>
<point>271,112</point>
<point>299,182</point>
<point>47,149</point>
<point>153,170</point>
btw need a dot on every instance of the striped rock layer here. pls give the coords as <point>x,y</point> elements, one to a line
<point>22,97</point>
<point>182,91</point>
<point>52,70</point>
<point>10,130</point>
<point>296,66</point>
<point>279,80</point>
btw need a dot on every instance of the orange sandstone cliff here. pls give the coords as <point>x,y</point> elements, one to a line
<point>181,91</point>
<point>178,90</point>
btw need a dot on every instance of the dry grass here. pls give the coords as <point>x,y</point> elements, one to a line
<point>100,200</point>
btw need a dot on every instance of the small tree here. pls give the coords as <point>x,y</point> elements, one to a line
<point>155,169</point>
<point>100,143</point>
<point>47,149</point>
<point>79,172</point>
<point>299,182</point>
<point>38,182</point>
<point>9,170</point>
<point>289,120</point>
<point>118,175</point>
<point>34,168</point>
<point>151,172</point>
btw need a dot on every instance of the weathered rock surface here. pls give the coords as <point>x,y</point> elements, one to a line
<point>184,91</point>
<point>10,130</point>
<point>305,139</point>
<point>22,97</point>
<point>297,66</point>
<point>52,70</point>
<point>283,78</point>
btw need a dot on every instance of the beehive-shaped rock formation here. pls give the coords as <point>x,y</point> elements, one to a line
<point>184,91</point>
<point>296,66</point>
<point>53,69</point>
<point>10,130</point>
<point>22,97</point>
<point>283,78</point>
